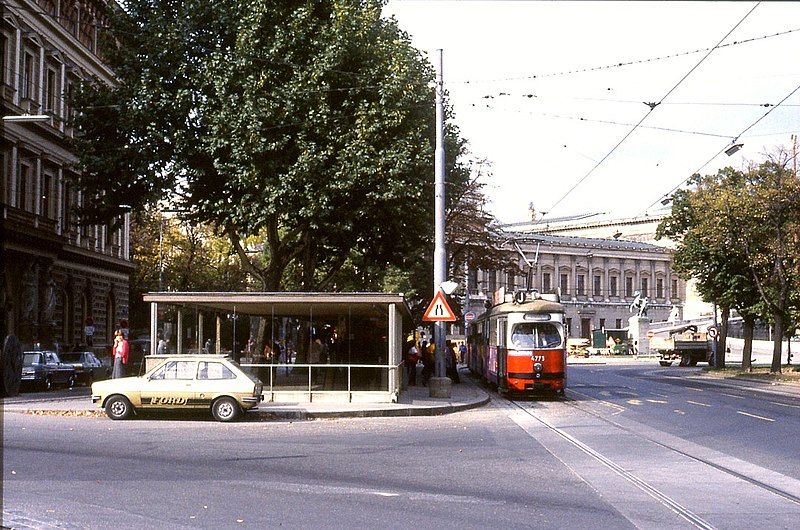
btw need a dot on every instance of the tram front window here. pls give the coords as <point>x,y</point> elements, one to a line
<point>535,335</point>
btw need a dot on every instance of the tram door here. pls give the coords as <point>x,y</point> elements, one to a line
<point>502,352</point>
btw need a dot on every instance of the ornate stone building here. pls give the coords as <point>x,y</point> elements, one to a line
<point>62,283</point>
<point>597,264</point>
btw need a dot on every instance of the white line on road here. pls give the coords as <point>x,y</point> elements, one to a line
<point>697,403</point>
<point>753,416</point>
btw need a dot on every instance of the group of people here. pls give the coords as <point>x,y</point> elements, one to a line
<point>427,354</point>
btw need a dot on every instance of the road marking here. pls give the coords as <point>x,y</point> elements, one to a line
<point>659,401</point>
<point>634,402</point>
<point>785,405</point>
<point>753,416</point>
<point>732,395</point>
<point>698,403</point>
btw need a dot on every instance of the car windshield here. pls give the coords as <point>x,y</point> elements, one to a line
<point>71,357</point>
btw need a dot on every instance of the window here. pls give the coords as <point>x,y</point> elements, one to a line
<point>176,370</point>
<point>3,59</point>
<point>674,293</point>
<point>645,287</point>
<point>602,323</point>
<point>23,187</point>
<point>47,190</point>
<point>629,286</point>
<point>28,77</point>
<point>214,370</point>
<point>597,288</point>
<point>50,91</point>
<point>546,282</point>
<point>618,323</point>
<point>535,335</point>
<point>659,287</point>
<point>612,286</point>
<point>564,284</point>
<point>581,285</point>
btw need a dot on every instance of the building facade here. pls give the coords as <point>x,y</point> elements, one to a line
<point>62,283</point>
<point>597,278</point>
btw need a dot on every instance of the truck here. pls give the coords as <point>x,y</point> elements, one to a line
<point>682,343</point>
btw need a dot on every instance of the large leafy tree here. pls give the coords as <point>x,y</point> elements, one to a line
<point>767,220</point>
<point>701,223</point>
<point>737,235</point>
<point>306,123</point>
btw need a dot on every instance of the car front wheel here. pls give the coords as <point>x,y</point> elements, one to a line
<point>118,408</point>
<point>225,409</point>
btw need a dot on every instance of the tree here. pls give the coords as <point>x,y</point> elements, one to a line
<point>308,124</point>
<point>768,223</point>
<point>737,235</point>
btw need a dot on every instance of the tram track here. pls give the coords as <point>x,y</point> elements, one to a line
<point>713,459</point>
<point>795,499</point>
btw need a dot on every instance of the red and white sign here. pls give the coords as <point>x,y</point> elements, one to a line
<point>439,310</point>
<point>650,333</point>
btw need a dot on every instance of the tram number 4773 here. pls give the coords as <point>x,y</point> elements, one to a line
<point>519,346</point>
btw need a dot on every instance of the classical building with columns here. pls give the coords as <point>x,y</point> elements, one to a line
<point>597,264</point>
<point>62,283</point>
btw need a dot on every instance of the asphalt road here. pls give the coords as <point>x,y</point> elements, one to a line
<point>628,448</point>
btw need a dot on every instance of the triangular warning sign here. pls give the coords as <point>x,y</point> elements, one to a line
<point>439,310</point>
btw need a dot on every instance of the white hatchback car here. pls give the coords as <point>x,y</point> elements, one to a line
<point>182,382</point>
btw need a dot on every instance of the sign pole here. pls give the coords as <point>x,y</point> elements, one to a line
<point>440,386</point>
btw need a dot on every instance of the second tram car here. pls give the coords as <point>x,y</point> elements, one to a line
<point>519,345</point>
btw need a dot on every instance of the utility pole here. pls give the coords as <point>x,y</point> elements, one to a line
<point>439,384</point>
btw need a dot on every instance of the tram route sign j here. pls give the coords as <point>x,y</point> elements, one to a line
<point>439,310</point>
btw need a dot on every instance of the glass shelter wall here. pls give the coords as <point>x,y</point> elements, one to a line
<point>303,346</point>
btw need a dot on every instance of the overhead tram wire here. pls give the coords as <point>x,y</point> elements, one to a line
<point>652,107</point>
<point>625,63</point>
<point>673,190</point>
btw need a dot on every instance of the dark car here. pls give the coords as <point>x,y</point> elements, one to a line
<point>88,367</point>
<point>45,370</point>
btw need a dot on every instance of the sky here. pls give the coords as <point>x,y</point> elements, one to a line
<point>610,106</point>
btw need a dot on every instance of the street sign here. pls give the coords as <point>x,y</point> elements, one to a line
<point>439,310</point>
<point>713,331</point>
<point>469,316</point>
<point>650,333</point>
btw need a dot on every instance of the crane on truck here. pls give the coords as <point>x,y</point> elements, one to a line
<point>684,343</point>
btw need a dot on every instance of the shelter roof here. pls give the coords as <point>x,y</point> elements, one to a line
<point>286,303</point>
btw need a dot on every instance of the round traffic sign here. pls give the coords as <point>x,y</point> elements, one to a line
<point>650,333</point>
<point>469,316</point>
<point>713,331</point>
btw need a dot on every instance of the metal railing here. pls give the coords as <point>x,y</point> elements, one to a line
<point>339,380</point>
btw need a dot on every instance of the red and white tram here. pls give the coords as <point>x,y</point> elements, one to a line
<point>519,345</point>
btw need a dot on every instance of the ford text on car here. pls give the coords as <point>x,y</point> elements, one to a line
<point>182,382</point>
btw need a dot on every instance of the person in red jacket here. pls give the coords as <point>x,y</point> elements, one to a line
<point>120,354</point>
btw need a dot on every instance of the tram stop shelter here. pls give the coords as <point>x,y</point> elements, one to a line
<point>321,347</point>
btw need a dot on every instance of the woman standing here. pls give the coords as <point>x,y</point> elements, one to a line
<point>120,354</point>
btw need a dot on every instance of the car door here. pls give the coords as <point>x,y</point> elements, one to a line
<point>172,385</point>
<point>58,373</point>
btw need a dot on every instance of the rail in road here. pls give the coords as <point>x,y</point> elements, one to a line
<point>654,479</point>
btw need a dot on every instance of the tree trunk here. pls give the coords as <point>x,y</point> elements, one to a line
<point>747,349</point>
<point>723,337</point>
<point>777,343</point>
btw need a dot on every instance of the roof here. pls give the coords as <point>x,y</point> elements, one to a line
<point>585,242</point>
<point>286,303</point>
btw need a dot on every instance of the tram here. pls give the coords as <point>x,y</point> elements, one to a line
<point>519,346</point>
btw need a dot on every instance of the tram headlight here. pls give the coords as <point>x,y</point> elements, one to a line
<point>537,367</point>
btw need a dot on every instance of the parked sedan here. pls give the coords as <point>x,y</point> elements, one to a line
<point>182,382</point>
<point>45,369</point>
<point>88,367</point>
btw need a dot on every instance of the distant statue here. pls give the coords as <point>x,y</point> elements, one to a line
<point>29,295</point>
<point>639,304</point>
<point>674,314</point>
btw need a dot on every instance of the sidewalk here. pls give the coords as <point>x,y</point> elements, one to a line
<point>414,401</point>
